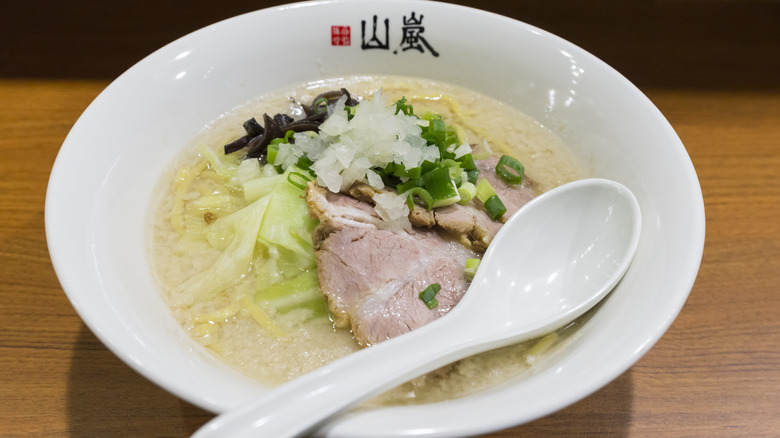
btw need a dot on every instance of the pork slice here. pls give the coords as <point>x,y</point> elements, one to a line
<point>371,277</point>
<point>470,223</point>
<point>336,211</point>
<point>418,216</point>
<point>513,196</point>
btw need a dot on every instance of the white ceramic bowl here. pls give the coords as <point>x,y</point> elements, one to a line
<point>105,173</point>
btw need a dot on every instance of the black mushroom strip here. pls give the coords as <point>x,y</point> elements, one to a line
<point>258,137</point>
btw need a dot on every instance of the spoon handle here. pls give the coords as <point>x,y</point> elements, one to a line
<point>298,406</point>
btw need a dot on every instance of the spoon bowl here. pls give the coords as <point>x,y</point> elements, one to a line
<point>554,259</point>
<point>557,257</point>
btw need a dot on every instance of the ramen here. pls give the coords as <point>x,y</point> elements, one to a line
<point>234,298</point>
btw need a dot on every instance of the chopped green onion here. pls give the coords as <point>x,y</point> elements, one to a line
<point>437,130</point>
<point>438,183</point>
<point>420,193</point>
<point>467,162</point>
<point>458,179</point>
<point>440,186</point>
<point>449,162</point>
<point>455,172</point>
<point>466,191</point>
<point>427,166</point>
<point>271,152</point>
<point>494,207</point>
<point>402,107</point>
<point>300,185</point>
<point>320,105</point>
<point>448,200</point>
<point>471,268</point>
<point>484,190</point>
<point>439,135</point>
<point>404,187</point>
<point>453,166</point>
<point>428,296</point>
<point>450,142</point>
<point>510,170</point>
<point>286,139</point>
<point>400,171</point>
<point>304,162</point>
<point>414,173</point>
<point>273,147</point>
<point>473,175</point>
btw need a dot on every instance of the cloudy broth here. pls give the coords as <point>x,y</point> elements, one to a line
<point>225,325</point>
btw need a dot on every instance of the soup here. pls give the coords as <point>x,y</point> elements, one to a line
<point>246,317</point>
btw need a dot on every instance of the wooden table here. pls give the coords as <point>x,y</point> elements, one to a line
<point>716,372</point>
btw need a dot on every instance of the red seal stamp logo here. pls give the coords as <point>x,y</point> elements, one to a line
<point>340,36</point>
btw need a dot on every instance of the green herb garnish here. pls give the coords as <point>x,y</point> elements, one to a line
<point>494,207</point>
<point>510,170</point>
<point>428,296</point>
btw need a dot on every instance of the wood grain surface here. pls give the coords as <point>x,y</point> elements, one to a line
<point>715,373</point>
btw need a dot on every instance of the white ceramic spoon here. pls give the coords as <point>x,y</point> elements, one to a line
<point>553,260</point>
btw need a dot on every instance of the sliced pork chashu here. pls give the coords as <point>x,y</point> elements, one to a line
<point>372,277</point>
<point>470,223</point>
